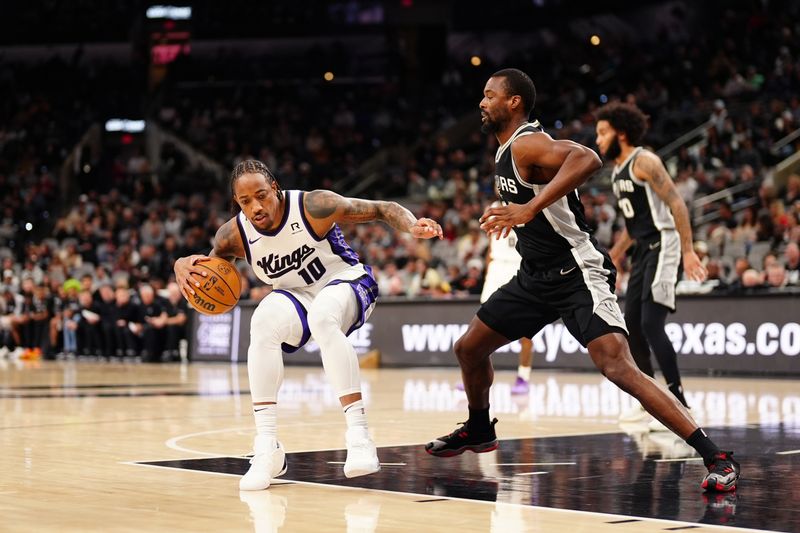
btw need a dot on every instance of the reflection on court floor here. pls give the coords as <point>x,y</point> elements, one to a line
<point>638,475</point>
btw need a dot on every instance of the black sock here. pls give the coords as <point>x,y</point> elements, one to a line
<point>479,419</point>
<point>704,446</point>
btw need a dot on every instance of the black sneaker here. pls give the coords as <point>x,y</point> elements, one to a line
<point>462,440</point>
<point>723,473</point>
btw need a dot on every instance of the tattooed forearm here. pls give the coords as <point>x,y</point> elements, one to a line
<point>396,216</point>
<point>326,204</point>
<point>228,242</point>
<point>652,169</point>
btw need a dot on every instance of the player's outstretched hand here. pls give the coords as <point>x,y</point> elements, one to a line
<point>425,228</point>
<point>184,268</point>
<point>694,267</point>
<point>499,220</point>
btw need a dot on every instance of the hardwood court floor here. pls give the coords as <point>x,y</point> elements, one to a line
<point>124,447</point>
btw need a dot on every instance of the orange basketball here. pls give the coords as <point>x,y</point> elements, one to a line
<point>219,291</point>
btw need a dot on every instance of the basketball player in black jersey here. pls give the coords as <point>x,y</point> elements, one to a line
<point>657,221</point>
<point>564,274</point>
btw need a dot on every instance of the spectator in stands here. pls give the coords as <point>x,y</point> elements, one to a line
<point>90,334</point>
<point>154,323</point>
<point>70,317</point>
<point>473,244</point>
<point>726,216</point>
<point>776,276</point>
<point>792,263</point>
<point>752,279</point>
<point>176,322</point>
<point>128,329</point>
<point>107,309</point>
<point>471,282</point>
<point>791,194</point>
<point>390,282</point>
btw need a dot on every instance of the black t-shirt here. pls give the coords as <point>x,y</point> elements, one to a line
<point>154,308</point>
<point>172,309</point>
<point>130,312</point>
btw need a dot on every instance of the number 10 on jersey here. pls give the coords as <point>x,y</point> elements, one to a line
<point>313,271</point>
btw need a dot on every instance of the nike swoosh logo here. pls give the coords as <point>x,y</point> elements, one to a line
<point>254,240</point>
<point>654,245</point>
<point>565,272</point>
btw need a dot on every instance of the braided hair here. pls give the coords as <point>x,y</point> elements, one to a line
<point>251,166</point>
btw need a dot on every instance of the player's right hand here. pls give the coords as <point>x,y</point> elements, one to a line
<point>184,268</point>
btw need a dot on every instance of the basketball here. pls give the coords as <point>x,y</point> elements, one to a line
<point>220,290</point>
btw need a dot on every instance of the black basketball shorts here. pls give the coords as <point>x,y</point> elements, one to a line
<point>655,267</point>
<point>582,295</point>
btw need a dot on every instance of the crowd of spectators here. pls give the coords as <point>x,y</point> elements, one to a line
<point>98,279</point>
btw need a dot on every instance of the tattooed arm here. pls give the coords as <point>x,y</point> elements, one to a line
<point>649,167</point>
<point>326,208</point>
<point>227,245</point>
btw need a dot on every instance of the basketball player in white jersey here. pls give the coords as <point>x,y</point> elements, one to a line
<point>293,242</point>
<point>657,221</point>
<point>502,264</point>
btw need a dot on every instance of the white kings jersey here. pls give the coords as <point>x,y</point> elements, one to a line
<point>504,250</point>
<point>504,262</point>
<point>293,255</point>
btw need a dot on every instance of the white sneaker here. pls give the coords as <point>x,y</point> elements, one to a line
<point>268,462</point>
<point>635,414</point>
<point>4,352</point>
<point>362,457</point>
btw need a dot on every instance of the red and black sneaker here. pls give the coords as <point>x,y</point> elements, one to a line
<point>464,439</point>
<point>723,473</point>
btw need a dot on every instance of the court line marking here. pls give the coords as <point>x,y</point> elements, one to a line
<point>173,442</point>
<point>533,464</point>
<point>538,507</point>
<point>531,473</point>
<point>679,460</point>
<point>278,482</point>
<point>787,452</point>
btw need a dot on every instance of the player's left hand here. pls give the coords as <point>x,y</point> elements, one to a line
<point>694,267</point>
<point>425,228</point>
<point>499,220</point>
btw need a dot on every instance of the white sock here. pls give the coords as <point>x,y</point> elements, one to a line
<point>355,415</point>
<point>266,420</point>
<point>524,372</point>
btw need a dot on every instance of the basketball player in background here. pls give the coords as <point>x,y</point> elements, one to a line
<point>564,274</point>
<point>502,263</point>
<point>293,242</point>
<point>657,222</point>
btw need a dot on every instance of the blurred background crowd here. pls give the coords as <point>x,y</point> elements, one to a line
<point>93,213</point>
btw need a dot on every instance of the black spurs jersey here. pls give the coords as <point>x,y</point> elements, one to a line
<point>559,230</point>
<point>646,215</point>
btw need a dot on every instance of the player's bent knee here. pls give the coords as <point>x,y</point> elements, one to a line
<point>321,322</point>
<point>613,363</point>
<point>466,352</point>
